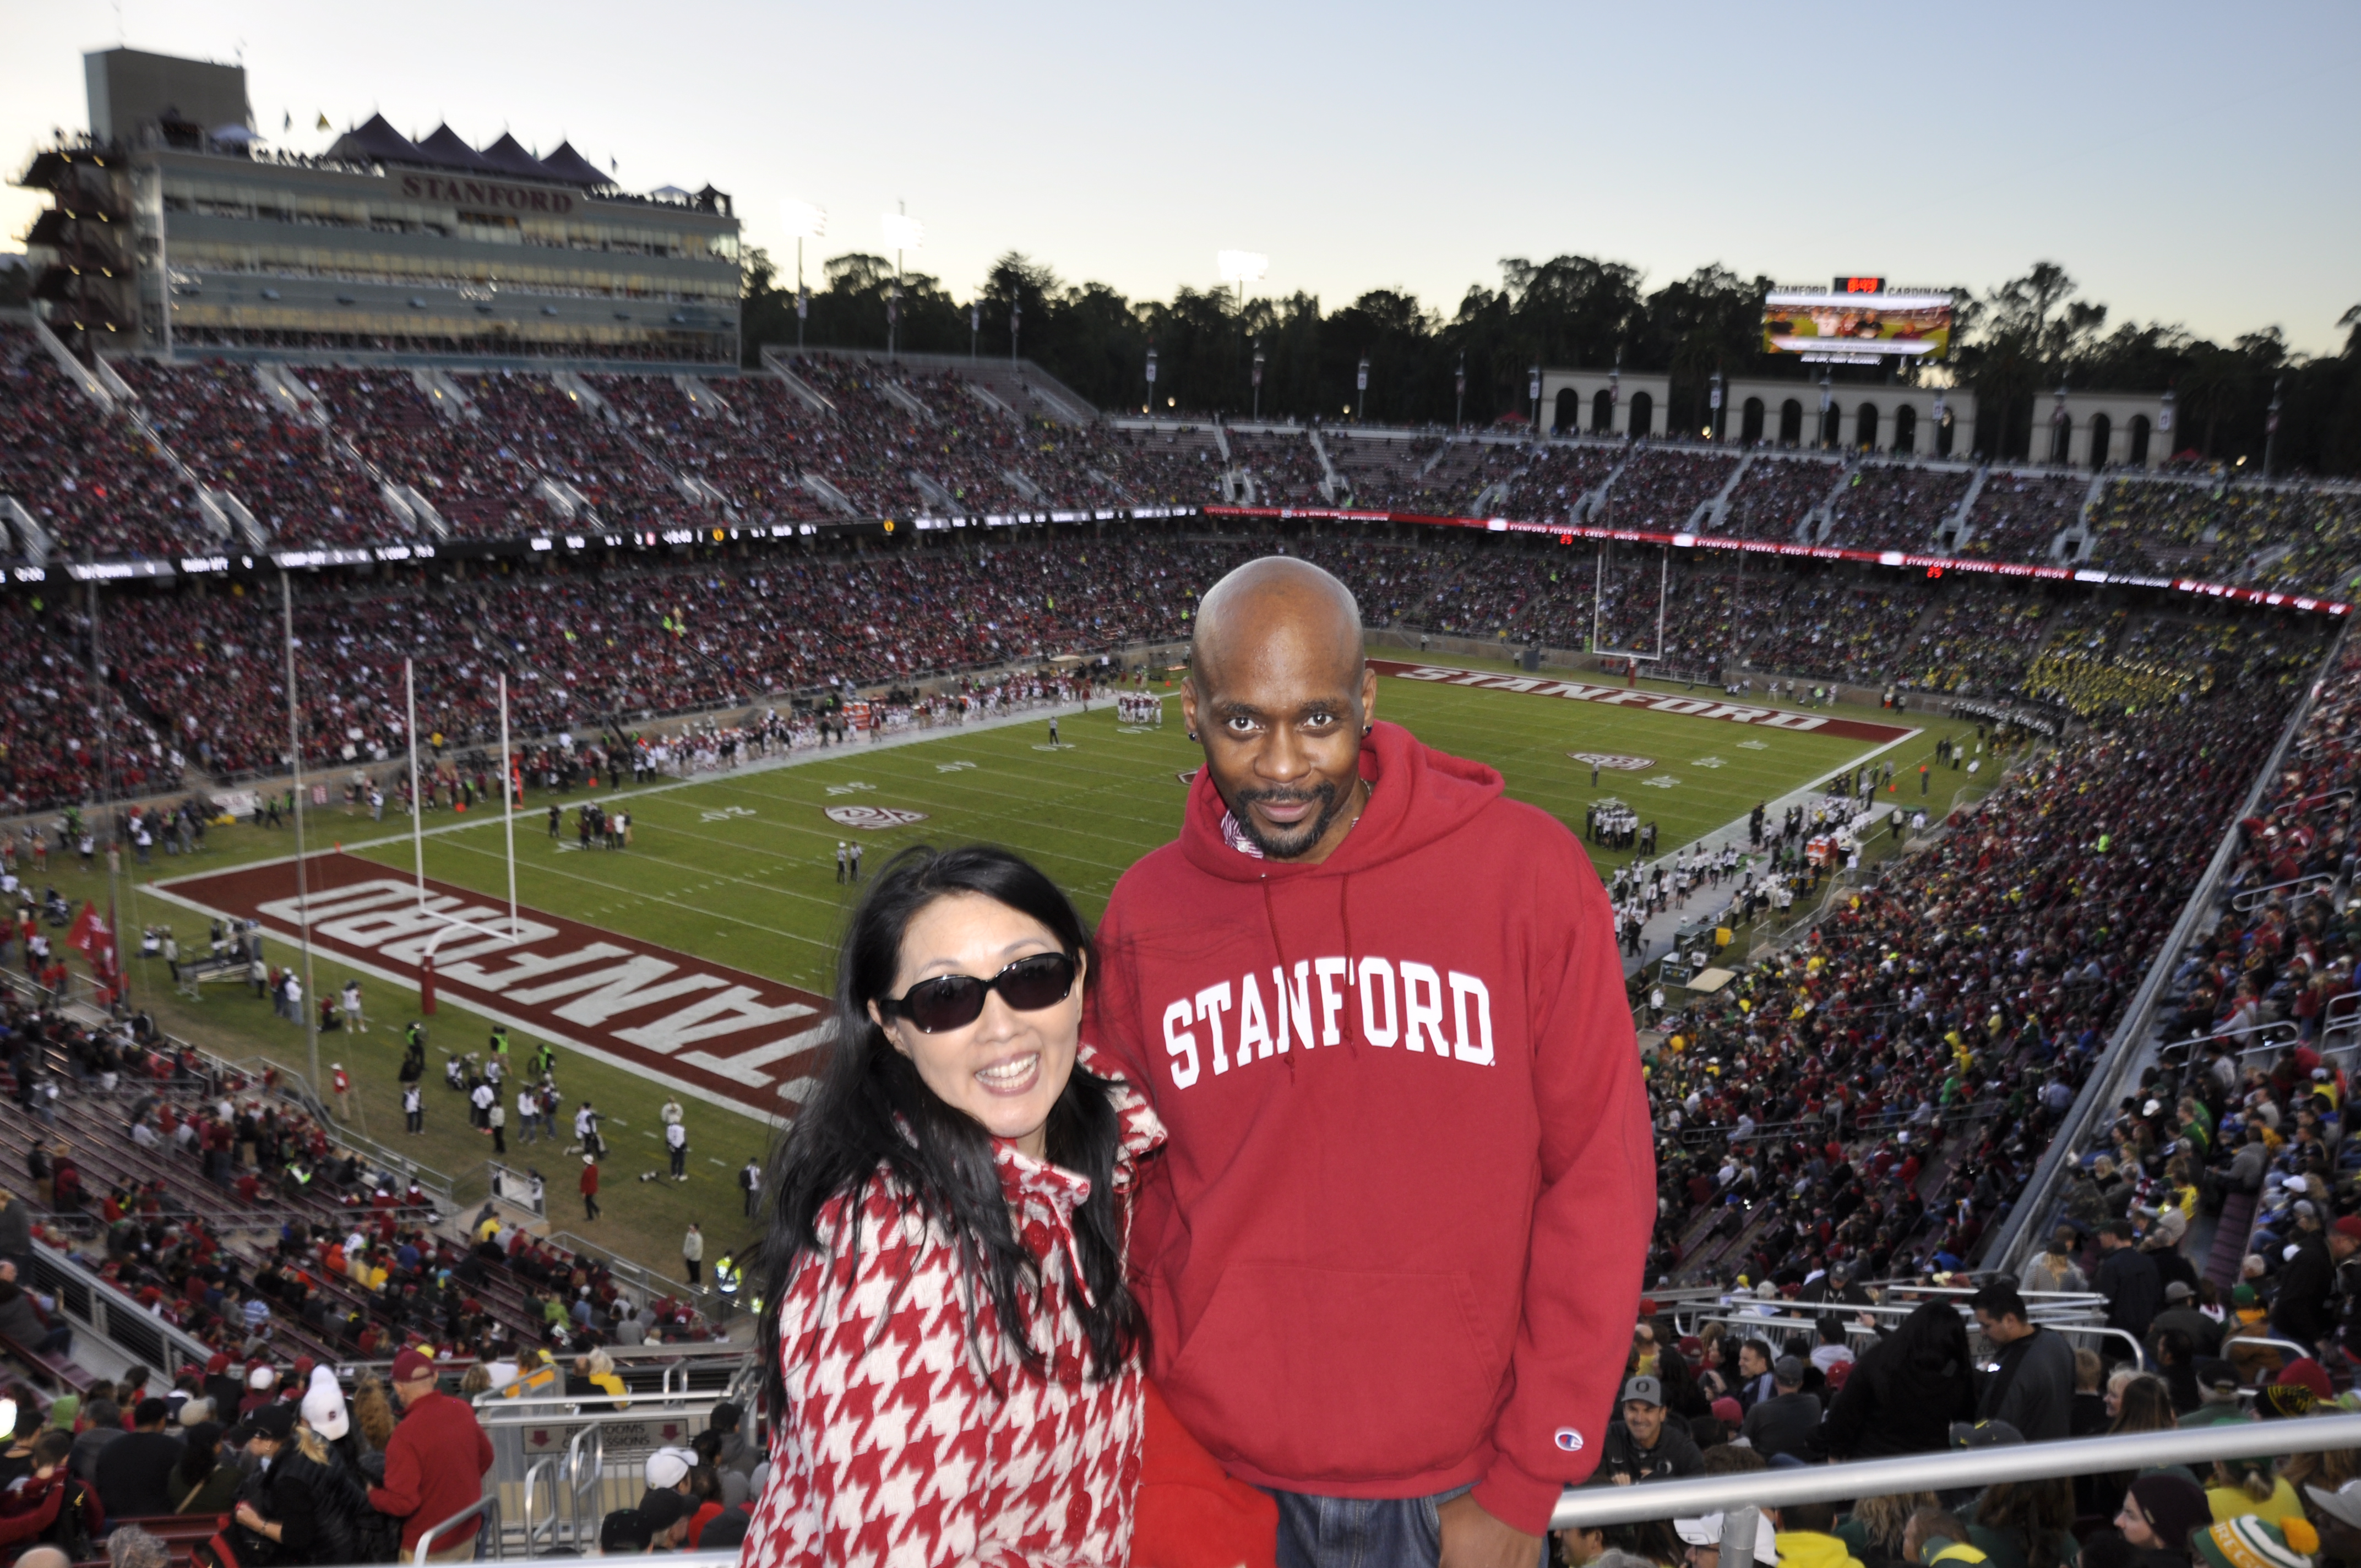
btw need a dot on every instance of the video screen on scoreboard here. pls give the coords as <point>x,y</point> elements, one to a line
<point>1843,328</point>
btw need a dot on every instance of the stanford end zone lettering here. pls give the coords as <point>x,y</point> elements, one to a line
<point>510,198</point>
<point>1653,702</point>
<point>1425,1011</point>
<point>726,1035</point>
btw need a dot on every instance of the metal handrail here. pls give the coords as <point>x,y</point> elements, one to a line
<point>1591,1508</point>
<point>1810,1323</point>
<point>586,1453</point>
<point>2254,897</point>
<point>489,1506</point>
<point>490,1401</point>
<point>531,1484</point>
<point>2166,1051</point>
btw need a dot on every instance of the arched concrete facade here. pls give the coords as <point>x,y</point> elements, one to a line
<point>2103,429</point>
<point>1897,420</point>
<point>1618,392</point>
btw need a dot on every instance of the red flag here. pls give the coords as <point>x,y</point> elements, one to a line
<point>93,935</point>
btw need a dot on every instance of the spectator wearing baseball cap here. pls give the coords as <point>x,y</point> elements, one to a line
<point>1784,1422</point>
<point>2180,1312</point>
<point>2217,1394</point>
<point>2338,1516</point>
<point>435,1464</point>
<point>1642,1445</point>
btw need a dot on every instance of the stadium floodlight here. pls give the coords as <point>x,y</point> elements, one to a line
<point>804,221</point>
<point>1240,267</point>
<point>903,233</point>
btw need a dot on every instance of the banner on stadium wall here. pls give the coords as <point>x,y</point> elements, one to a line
<point>719,1032</point>
<point>1567,532</point>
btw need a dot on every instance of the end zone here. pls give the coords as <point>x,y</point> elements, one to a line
<point>738,1040</point>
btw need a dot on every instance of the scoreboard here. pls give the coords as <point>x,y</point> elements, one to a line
<point>1857,322</point>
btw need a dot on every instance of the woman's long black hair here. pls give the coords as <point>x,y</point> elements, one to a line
<point>854,1126</point>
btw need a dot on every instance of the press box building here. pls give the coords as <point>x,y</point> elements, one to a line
<point>173,231</point>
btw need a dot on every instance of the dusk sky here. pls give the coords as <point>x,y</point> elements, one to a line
<point>2193,164</point>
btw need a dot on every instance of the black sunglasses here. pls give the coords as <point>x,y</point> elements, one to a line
<point>955,1000</point>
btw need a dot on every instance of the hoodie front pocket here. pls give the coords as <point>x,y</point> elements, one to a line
<point>1312,1374</point>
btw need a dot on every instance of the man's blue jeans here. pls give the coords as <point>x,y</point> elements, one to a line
<point>1363,1532</point>
<point>1359,1532</point>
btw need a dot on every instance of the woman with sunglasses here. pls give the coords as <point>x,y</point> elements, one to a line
<point>951,1354</point>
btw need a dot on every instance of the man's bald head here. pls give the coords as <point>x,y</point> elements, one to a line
<point>1280,694</point>
<point>1276,598</point>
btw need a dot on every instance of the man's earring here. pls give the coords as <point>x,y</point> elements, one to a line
<point>1193,735</point>
<point>1366,729</point>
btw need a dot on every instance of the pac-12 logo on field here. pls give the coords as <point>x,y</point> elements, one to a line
<point>1610,760</point>
<point>872,816</point>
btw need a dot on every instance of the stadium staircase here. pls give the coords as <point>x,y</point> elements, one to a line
<point>76,372</point>
<point>1587,505</point>
<point>1332,485</point>
<point>776,362</point>
<point>901,398</point>
<point>2073,541</point>
<point>1716,511</point>
<point>1821,518</point>
<point>30,535</point>
<point>1952,535</point>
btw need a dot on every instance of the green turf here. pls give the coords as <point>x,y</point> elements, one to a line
<point>740,868</point>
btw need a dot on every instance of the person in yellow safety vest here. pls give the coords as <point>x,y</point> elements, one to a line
<point>725,1274</point>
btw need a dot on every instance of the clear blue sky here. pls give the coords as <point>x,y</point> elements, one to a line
<point>2189,164</point>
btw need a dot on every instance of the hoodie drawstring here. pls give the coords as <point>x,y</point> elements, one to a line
<point>1270,919</point>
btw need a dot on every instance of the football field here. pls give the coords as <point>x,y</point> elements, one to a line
<point>704,951</point>
<point>742,867</point>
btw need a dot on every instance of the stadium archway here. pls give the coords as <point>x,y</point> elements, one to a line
<point>1750,422</point>
<point>1643,414</point>
<point>1602,402</point>
<point>1873,417</point>
<point>2086,438</point>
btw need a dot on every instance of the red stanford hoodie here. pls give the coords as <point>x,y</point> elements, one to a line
<point>1395,1241</point>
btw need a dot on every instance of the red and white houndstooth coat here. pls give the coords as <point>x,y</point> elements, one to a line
<point>893,1449</point>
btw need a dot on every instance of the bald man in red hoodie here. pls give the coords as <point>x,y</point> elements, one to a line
<point>1392,1253</point>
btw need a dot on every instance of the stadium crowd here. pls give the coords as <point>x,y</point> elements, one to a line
<point>1915,1049</point>
<point>851,437</point>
